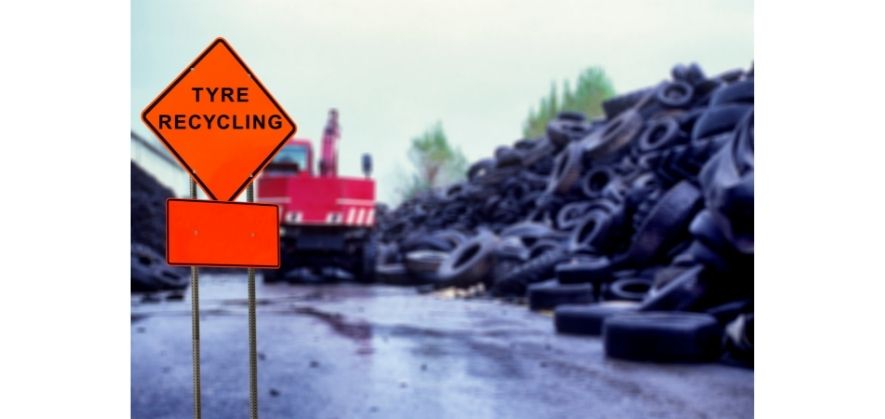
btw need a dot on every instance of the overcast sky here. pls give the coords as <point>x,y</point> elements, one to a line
<point>394,67</point>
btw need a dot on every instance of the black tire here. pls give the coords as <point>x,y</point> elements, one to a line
<point>480,169</point>
<point>738,341</point>
<point>704,229</point>
<point>393,274</point>
<point>149,271</point>
<point>618,104</point>
<point>507,157</point>
<point>728,184</point>
<point>424,262</point>
<point>567,170</point>
<point>535,270</point>
<point>469,263</point>
<point>547,297</point>
<point>452,238</point>
<point>666,224</point>
<point>719,120</point>
<point>725,313</point>
<point>368,258</point>
<point>675,94</point>
<point>739,92</point>
<point>692,73</point>
<point>663,337</point>
<point>628,289</point>
<point>563,131</point>
<point>617,134</point>
<point>660,134</point>
<point>685,292</point>
<point>596,180</point>
<point>592,269</point>
<point>570,215</point>
<point>587,319</point>
<point>141,275</point>
<point>592,230</point>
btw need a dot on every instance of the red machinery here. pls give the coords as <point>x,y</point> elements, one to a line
<point>327,219</point>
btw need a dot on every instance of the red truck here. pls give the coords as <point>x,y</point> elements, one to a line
<point>326,219</point>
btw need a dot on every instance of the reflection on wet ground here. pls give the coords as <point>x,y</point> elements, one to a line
<point>352,351</point>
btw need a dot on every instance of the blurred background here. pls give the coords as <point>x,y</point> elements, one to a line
<point>416,78</point>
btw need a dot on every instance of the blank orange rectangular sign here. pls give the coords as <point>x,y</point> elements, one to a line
<point>224,234</point>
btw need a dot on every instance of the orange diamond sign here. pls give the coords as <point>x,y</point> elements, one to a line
<point>220,122</point>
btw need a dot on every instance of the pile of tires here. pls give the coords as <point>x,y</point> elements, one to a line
<point>149,271</point>
<point>649,210</point>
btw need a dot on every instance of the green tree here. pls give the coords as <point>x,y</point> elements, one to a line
<point>591,89</point>
<point>436,162</point>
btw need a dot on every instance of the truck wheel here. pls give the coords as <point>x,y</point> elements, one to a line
<point>368,261</point>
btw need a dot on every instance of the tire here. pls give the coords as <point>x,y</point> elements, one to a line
<point>393,274</point>
<point>683,293</point>
<point>618,104</point>
<point>728,184</point>
<point>628,289</point>
<point>424,262</point>
<point>141,276</point>
<point>547,297</point>
<point>535,270</point>
<point>718,120</point>
<point>469,263</point>
<point>570,215</point>
<point>368,260</point>
<point>660,134</point>
<point>704,229</point>
<point>587,319</point>
<point>617,134</point>
<point>692,73</point>
<point>738,341</point>
<point>480,169</point>
<point>169,278</point>
<point>596,180</point>
<point>662,337</point>
<point>725,313</point>
<point>738,92</point>
<point>587,269</point>
<point>452,238</point>
<point>675,94</point>
<point>563,131</point>
<point>507,157</point>
<point>149,271</point>
<point>592,230</point>
<point>567,170</point>
<point>666,224</point>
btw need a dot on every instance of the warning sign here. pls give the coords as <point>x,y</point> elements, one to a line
<point>220,122</point>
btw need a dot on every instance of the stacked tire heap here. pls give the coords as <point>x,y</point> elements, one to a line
<point>637,227</point>
<point>149,269</point>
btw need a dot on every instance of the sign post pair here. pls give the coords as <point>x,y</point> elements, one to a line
<point>223,127</point>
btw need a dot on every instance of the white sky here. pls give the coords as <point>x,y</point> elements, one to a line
<point>394,67</point>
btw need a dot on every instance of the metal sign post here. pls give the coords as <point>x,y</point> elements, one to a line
<point>253,338</point>
<point>195,325</point>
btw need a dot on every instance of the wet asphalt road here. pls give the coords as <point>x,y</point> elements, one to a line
<point>352,351</point>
